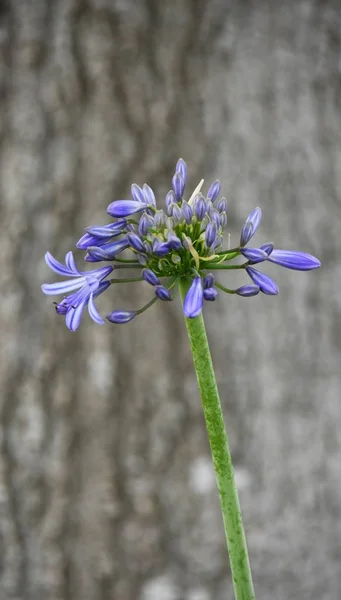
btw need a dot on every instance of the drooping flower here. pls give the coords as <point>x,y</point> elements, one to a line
<point>89,284</point>
<point>182,241</point>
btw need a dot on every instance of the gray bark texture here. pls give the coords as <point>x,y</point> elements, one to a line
<point>106,485</point>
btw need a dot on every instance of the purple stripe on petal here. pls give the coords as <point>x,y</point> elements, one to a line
<point>214,190</point>
<point>222,205</point>
<point>57,267</point>
<point>70,262</point>
<point>194,299</point>
<point>150,277</point>
<point>161,249</point>
<point>210,294</point>
<point>62,287</point>
<point>169,200</point>
<point>135,242</point>
<point>109,230</point>
<point>268,248</point>
<point>121,316</point>
<point>162,293</point>
<point>178,186</point>
<point>74,316</point>
<point>181,168</point>
<point>137,194</point>
<point>210,234</point>
<point>299,261</point>
<point>149,195</point>
<point>93,312</point>
<point>248,290</point>
<point>255,255</point>
<point>208,281</point>
<point>124,208</point>
<point>266,284</point>
<point>187,212</point>
<point>250,226</point>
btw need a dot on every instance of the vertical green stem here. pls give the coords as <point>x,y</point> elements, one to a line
<point>229,502</point>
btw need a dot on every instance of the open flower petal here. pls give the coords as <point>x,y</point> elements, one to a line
<point>299,261</point>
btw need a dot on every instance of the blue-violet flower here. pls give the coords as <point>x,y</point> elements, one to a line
<point>182,241</point>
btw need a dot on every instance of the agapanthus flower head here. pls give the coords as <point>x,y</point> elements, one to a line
<point>183,241</point>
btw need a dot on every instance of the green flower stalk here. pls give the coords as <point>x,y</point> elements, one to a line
<point>222,461</point>
<point>178,247</point>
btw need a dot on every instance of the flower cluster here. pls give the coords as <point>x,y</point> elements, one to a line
<point>184,240</point>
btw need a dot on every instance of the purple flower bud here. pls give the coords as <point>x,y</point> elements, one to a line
<point>159,219</point>
<point>222,205</point>
<point>100,234</point>
<point>187,212</point>
<point>194,299</point>
<point>107,252</point>
<point>215,217</point>
<point>299,261</point>
<point>146,221</point>
<point>266,284</point>
<point>210,294</point>
<point>124,208</point>
<point>135,242</point>
<point>204,223</point>
<point>248,290</point>
<point>173,241</point>
<point>149,195</point>
<point>181,168</point>
<point>121,316</point>
<point>170,199</point>
<point>142,259</point>
<point>200,208</point>
<point>161,248</point>
<point>96,254</point>
<point>150,277</point>
<point>255,255</point>
<point>214,190</point>
<point>223,219</point>
<point>110,230</point>
<point>178,184</point>
<point>176,213</point>
<point>137,194</point>
<point>210,234</point>
<point>208,281</point>
<point>162,293</point>
<point>250,226</point>
<point>268,248</point>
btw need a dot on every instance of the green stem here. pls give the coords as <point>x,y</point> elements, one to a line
<point>229,502</point>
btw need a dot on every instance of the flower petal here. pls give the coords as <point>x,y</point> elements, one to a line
<point>70,263</point>
<point>214,190</point>
<point>62,287</point>
<point>250,226</point>
<point>194,299</point>
<point>74,316</point>
<point>255,255</point>
<point>210,294</point>
<point>299,261</point>
<point>57,267</point>
<point>266,284</point>
<point>93,312</point>
<point>181,168</point>
<point>121,316</point>
<point>162,293</point>
<point>248,290</point>
<point>123,208</point>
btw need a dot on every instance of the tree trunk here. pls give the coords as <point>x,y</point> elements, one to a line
<point>107,489</point>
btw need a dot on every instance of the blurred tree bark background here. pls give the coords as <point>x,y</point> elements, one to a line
<point>107,490</point>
